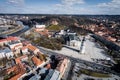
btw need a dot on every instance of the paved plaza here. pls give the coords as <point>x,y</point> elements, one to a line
<point>91,50</point>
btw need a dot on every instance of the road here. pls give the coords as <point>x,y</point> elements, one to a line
<point>74,60</point>
<point>18,33</point>
<point>71,58</point>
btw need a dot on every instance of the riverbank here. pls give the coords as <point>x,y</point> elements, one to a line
<point>13,30</point>
<point>20,31</point>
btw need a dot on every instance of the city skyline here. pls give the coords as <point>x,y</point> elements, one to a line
<point>110,7</point>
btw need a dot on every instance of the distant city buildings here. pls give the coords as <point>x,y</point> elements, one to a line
<point>8,26</point>
<point>103,32</point>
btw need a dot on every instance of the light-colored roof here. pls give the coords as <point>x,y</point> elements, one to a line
<point>40,26</point>
<point>55,75</point>
<point>24,47</point>
<point>6,50</point>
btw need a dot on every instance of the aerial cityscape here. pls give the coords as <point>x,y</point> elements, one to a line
<point>60,40</point>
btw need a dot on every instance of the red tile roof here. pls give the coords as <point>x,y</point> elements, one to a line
<point>18,60</point>
<point>36,61</point>
<point>12,38</point>
<point>44,32</point>
<point>18,70</point>
<point>48,66</point>
<point>17,46</point>
<point>3,40</point>
<point>9,39</point>
<point>31,47</point>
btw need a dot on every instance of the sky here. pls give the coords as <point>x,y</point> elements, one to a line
<point>110,7</point>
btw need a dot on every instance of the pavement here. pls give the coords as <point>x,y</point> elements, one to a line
<point>92,50</point>
<point>79,60</point>
<point>52,52</point>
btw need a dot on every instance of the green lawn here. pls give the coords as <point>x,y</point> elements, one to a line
<point>94,74</point>
<point>55,27</point>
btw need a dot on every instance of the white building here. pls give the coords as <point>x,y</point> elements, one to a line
<point>25,50</point>
<point>8,40</point>
<point>15,45</point>
<point>2,42</point>
<point>62,32</point>
<point>6,53</point>
<point>40,26</point>
<point>83,50</point>
<point>75,43</point>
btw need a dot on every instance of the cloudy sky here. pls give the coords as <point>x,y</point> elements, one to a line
<point>60,6</point>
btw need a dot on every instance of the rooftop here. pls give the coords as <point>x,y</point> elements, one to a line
<point>5,50</point>
<point>18,60</point>
<point>31,47</point>
<point>42,74</point>
<point>36,61</point>
<point>24,47</point>
<point>17,70</point>
<point>13,42</point>
<point>43,32</point>
<point>10,38</point>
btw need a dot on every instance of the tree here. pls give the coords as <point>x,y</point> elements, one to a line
<point>42,57</point>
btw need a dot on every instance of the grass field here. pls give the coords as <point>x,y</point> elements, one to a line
<point>55,27</point>
<point>94,74</point>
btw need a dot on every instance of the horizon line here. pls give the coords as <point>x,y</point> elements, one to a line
<point>50,14</point>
